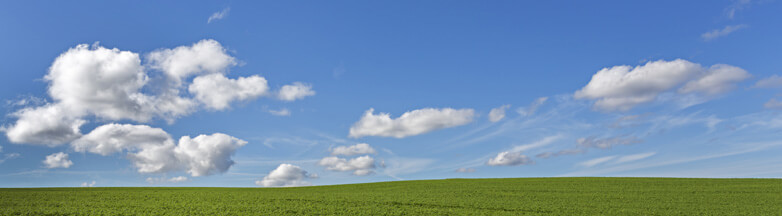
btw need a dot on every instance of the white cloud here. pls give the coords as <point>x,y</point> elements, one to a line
<point>623,87</point>
<point>107,83</point>
<point>49,125</point>
<point>360,166</point>
<point>540,143</point>
<point>57,160</point>
<point>9,156</point>
<point>153,151</point>
<point>509,159</point>
<point>357,149</point>
<point>410,123</point>
<point>465,170</point>
<point>773,81</point>
<point>113,138</point>
<point>498,113</point>
<point>111,84</point>
<point>281,112</point>
<point>101,81</point>
<point>203,57</point>
<point>634,157</point>
<point>616,159</point>
<point>532,108</point>
<point>716,33</point>
<point>177,179</point>
<point>719,79</point>
<point>560,153</point>
<point>286,175</point>
<point>605,143</point>
<point>217,92</point>
<point>88,184</point>
<point>218,15</point>
<point>773,104</point>
<point>25,101</point>
<point>295,91</point>
<point>737,5</point>
<point>596,161</point>
<point>208,154</point>
<point>515,157</point>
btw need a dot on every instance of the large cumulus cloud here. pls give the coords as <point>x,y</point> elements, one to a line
<point>95,83</point>
<point>112,85</point>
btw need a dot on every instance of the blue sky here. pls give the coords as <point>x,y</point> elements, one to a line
<point>267,94</point>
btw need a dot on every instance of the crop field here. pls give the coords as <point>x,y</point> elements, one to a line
<point>520,196</point>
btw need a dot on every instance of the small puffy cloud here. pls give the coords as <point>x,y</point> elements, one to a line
<point>716,33</point>
<point>509,159</point>
<point>177,179</point>
<point>50,125</point>
<point>111,84</point>
<point>207,154</point>
<point>360,166</point>
<point>596,161</point>
<point>773,81</point>
<point>605,143</point>
<point>286,175</point>
<point>624,87</point>
<point>465,170</point>
<point>217,92</point>
<point>204,57</point>
<point>357,149</point>
<point>88,184</point>
<point>218,15</point>
<point>295,91</point>
<point>152,150</point>
<point>533,107</point>
<point>281,112</point>
<point>57,160</point>
<point>410,123</point>
<point>498,113</point>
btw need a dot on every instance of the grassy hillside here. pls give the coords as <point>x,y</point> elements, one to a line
<point>559,196</point>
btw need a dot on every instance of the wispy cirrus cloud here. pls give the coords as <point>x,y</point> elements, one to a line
<point>717,33</point>
<point>218,15</point>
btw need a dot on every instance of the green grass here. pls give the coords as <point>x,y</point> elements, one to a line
<point>534,196</point>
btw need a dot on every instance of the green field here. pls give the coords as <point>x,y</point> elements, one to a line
<point>520,196</point>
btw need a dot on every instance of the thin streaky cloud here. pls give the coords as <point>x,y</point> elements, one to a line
<point>717,33</point>
<point>218,15</point>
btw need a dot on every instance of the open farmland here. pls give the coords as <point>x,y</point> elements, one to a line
<point>534,196</point>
